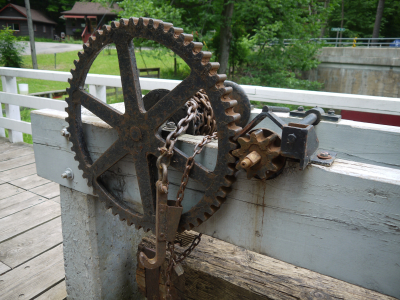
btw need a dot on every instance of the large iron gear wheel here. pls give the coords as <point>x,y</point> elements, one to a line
<point>138,129</point>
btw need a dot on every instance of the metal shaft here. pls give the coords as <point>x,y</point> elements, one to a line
<point>309,119</point>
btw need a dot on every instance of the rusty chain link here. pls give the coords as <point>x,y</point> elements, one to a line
<point>189,165</point>
<point>200,110</point>
<point>173,260</point>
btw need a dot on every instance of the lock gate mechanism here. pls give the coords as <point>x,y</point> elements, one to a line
<point>202,105</point>
<point>263,152</point>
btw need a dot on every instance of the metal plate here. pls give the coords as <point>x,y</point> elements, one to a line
<point>323,162</point>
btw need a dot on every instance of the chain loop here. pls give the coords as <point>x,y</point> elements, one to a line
<point>198,109</point>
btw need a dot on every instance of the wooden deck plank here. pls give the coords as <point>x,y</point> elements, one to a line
<point>56,199</point>
<point>29,218</point>
<point>15,153</point>
<point>8,190</point>
<point>7,146</point>
<point>58,292</point>
<point>4,268</point>
<point>22,248</point>
<point>18,172</point>
<point>17,162</point>
<point>33,277</point>
<point>29,182</point>
<point>19,202</point>
<point>49,190</point>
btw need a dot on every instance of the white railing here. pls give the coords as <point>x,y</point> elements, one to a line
<point>97,87</point>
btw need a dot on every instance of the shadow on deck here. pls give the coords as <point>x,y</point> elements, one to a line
<point>31,257</point>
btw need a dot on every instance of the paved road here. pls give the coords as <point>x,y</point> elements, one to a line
<point>46,48</point>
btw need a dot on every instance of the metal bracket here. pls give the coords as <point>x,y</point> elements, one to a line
<point>318,158</point>
<point>330,116</point>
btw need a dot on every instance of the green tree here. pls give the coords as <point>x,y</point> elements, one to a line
<point>256,34</point>
<point>281,46</point>
<point>10,50</point>
<point>360,16</point>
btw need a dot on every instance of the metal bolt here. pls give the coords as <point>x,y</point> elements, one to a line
<point>65,132</point>
<point>331,112</point>
<point>68,174</point>
<point>300,108</point>
<point>324,155</point>
<point>170,125</point>
<point>291,138</point>
<point>162,234</point>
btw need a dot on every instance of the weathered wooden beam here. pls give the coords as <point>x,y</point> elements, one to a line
<point>347,213</point>
<point>219,270</point>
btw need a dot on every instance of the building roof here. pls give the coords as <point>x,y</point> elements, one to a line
<point>91,8</point>
<point>37,16</point>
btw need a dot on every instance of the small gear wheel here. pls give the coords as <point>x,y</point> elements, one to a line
<point>260,154</point>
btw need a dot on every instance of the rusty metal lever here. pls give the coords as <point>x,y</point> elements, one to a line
<point>167,221</point>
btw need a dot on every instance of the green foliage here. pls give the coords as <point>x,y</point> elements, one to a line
<point>272,62</point>
<point>359,18</point>
<point>10,50</point>
<point>257,52</point>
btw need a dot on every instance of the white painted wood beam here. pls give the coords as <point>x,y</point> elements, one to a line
<point>32,101</point>
<point>329,220</point>
<point>12,111</point>
<point>16,126</point>
<point>382,105</point>
<point>99,91</point>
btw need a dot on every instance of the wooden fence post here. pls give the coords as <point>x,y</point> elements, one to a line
<point>12,111</point>
<point>99,91</point>
<point>2,131</point>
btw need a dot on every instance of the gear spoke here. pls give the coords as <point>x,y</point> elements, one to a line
<point>102,110</point>
<point>173,101</point>
<point>146,181</point>
<point>130,78</point>
<point>109,158</point>
<point>198,172</point>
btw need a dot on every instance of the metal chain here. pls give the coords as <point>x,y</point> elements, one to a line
<point>189,165</point>
<point>205,124</point>
<point>173,260</point>
<point>182,125</point>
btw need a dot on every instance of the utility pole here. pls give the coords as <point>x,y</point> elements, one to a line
<point>31,34</point>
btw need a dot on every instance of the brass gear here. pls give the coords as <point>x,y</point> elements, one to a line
<point>260,154</point>
<point>138,129</point>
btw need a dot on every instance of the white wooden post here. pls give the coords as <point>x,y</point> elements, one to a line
<point>12,111</point>
<point>2,131</point>
<point>99,91</point>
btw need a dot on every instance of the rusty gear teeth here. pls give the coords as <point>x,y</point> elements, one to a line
<point>259,154</point>
<point>203,76</point>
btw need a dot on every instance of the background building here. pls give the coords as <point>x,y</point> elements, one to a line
<point>14,16</point>
<point>85,17</point>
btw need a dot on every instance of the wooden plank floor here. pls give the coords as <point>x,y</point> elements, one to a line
<point>31,258</point>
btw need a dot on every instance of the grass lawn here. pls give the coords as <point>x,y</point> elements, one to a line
<point>105,63</point>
